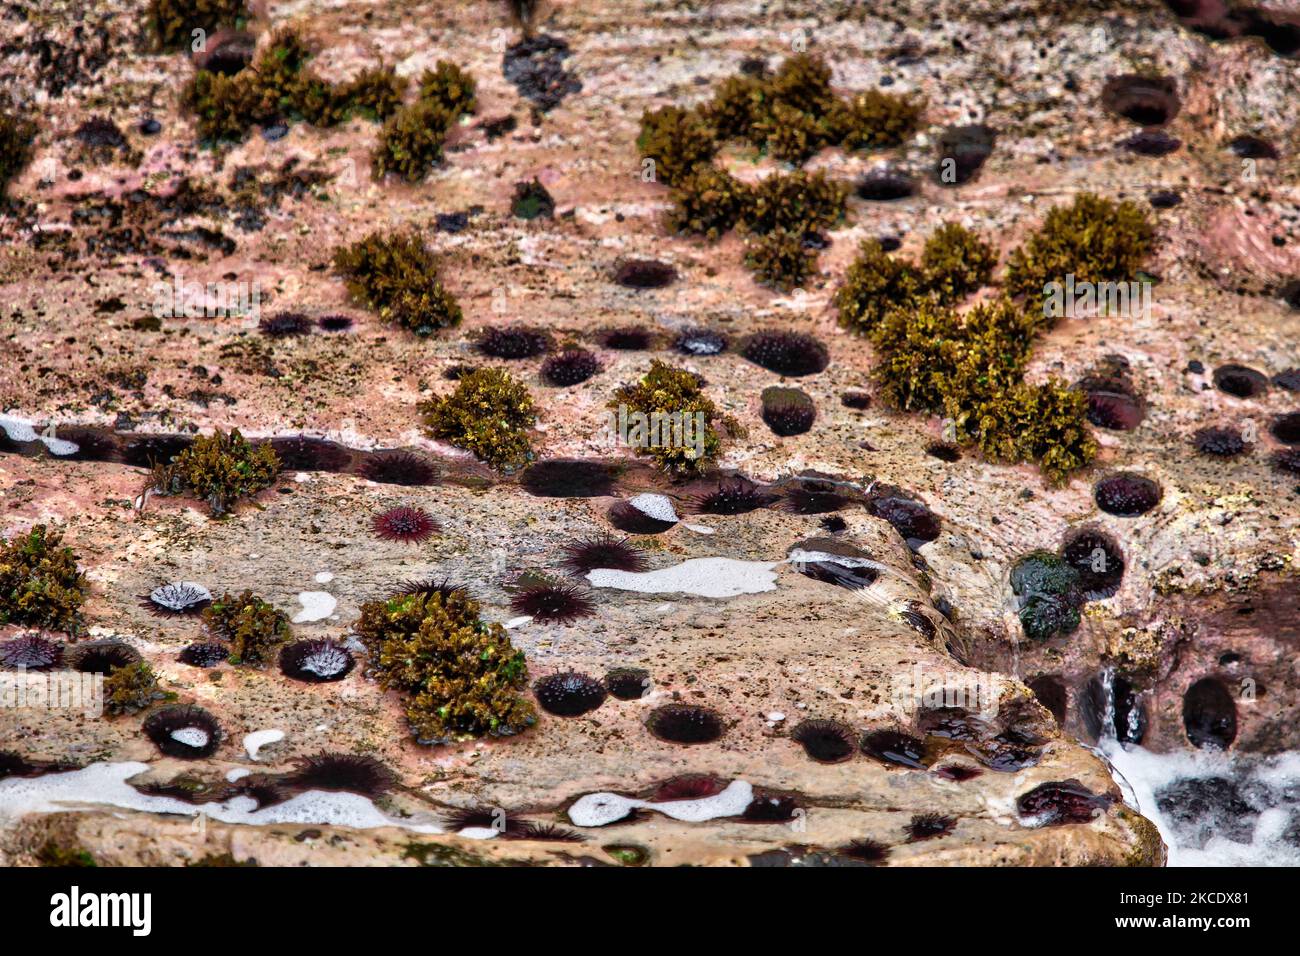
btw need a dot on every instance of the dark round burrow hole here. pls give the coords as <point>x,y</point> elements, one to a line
<point>155,449</point>
<point>226,52</point>
<point>1282,36</point>
<point>1290,293</point>
<point>1286,428</point>
<point>303,453</point>
<point>1146,100</point>
<point>963,150</point>
<point>788,411</point>
<point>893,746</point>
<point>630,519</point>
<point>1116,411</point>
<point>1240,380</point>
<point>1127,715</point>
<point>684,724</point>
<point>944,451</point>
<point>1252,147</point>
<point>644,274</point>
<point>1051,693</point>
<point>885,186</point>
<point>1209,715</point>
<point>568,478</point>
<point>1151,143</point>
<point>628,683</point>
<point>911,519</point>
<point>1164,199</point>
<point>1126,495</point>
<point>700,341</point>
<point>1097,558</point>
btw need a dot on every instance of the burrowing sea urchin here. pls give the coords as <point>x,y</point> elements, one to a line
<point>316,661</point>
<point>603,551</point>
<point>399,468</point>
<point>685,724</point>
<point>569,694</point>
<point>826,741</point>
<point>561,603</point>
<point>570,367</point>
<point>31,652</point>
<point>351,773</point>
<point>183,731</point>
<point>786,353</point>
<point>734,496</point>
<point>406,524</point>
<point>177,599</point>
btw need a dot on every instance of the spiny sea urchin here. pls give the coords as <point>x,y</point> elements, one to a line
<point>177,599</point>
<point>513,342</point>
<point>815,498</point>
<point>285,325</point>
<point>786,353</point>
<point>685,724</point>
<point>184,731</point>
<point>405,523</point>
<point>316,661</point>
<point>335,323</point>
<point>733,496</point>
<point>1219,441</point>
<point>603,551</point>
<point>570,367</point>
<point>872,852</point>
<point>826,741</point>
<point>352,773</point>
<point>31,652</point>
<point>569,693</point>
<point>788,411</point>
<point>927,826</point>
<point>561,603</point>
<point>205,654</point>
<point>1126,495</point>
<point>399,468</point>
<point>628,683</point>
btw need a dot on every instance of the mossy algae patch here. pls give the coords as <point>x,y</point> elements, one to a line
<point>399,278</point>
<point>219,469</point>
<point>40,583</point>
<point>490,414</point>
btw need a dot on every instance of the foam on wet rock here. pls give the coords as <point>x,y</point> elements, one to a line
<point>702,577</point>
<point>602,809</point>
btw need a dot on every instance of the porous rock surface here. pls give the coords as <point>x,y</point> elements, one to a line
<point>1222,539</point>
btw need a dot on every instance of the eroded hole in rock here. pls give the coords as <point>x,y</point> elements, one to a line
<point>1286,428</point>
<point>1051,693</point>
<point>1290,293</point>
<point>893,746</point>
<point>913,520</point>
<point>1252,147</point>
<point>568,478</point>
<point>1151,143</point>
<point>963,150</point>
<point>302,453</point>
<point>1097,559</point>
<point>644,274</point>
<point>93,444</point>
<point>1146,100</point>
<point>399,468</point>
<point>885,186</point>
<point>1126,495</point>
<point>1240,381</point>
<point>1060,803</point>
<point>788,411</point>
<point>1209,715</point>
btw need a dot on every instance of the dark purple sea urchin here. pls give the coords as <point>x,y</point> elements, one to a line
<point>733,496</point>
<point>208,654</point>
<point>399,468</point>
<point>177,599</point>
<point>316,661</point>
<point>184,731</point>
<point>603,551</point>
<point>512,342</point>
<point>31,652</point>
<point>351,773</point>
<point>405,523</point>
<point>826,741</point>
<point>684,724</point>
<point>786,353</point>
<point>628,338</point>
<point>285,325</point>
<point>560,603</point>
<point>569,693</point>
<point>570,367</point>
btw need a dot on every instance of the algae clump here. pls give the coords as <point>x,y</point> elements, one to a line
<point>40,583</point>
<point>219,469</point>
<point>489,414</point>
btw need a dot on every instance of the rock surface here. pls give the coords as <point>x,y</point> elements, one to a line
<point>1209,589</point>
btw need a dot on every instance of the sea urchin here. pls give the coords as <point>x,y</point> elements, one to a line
<point>603,551</point>
<point>405,523</point>
<point>569,694</point>
<point>316,661</point>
